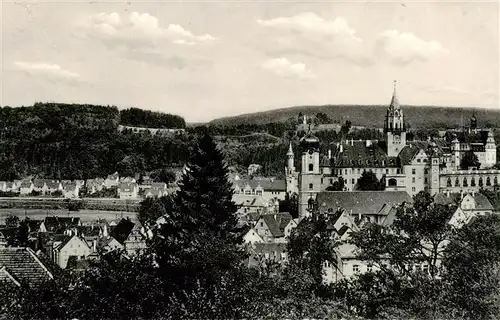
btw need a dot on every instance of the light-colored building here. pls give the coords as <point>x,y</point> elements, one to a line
<point>272,227</point>
<point>469,205</point>
<point>267,188</point>
<point>94,185</point>
<point>111,180</point>
<point>127,191</point>
<point>71,190</point>
<point>70,246</point>
<point>251,236</point>
<point>136,240</point>
<point>402,165</point>
<point>26,187</point>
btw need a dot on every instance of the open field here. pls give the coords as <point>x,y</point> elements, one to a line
<point>85,215</point>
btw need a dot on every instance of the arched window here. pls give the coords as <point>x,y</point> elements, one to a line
<point>457,183</point>
<point>448,182</point>
<point>311,167</point>
<point>488,181</point>
<point>472,182</point>
<point>310,203</point>
<point>393,182</point>
<point>465,184</point>
<point>480,181</point>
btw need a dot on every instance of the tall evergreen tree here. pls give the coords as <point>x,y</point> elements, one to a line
<point>199,240</point>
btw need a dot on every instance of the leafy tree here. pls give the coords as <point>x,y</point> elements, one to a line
<point>418,235</point>
<point>472,263</point>
<point>337,185</point>
<point>468,160</point>
<point>311,244</point>
<point>163,175</point>
<point>344,130</point>
<point>323,118</point>
<point>151,209</point>
<point>12,221</point>
<point>369,182</point>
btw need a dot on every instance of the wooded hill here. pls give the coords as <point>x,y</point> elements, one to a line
<point>373,115</point>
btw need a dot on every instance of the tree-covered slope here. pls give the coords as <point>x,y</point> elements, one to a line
<point>70,141</point>
<point>373,116</point>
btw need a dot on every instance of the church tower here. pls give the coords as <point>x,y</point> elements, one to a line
<point>394,127</point>
<point>292,185</point>
<point>310,174</point>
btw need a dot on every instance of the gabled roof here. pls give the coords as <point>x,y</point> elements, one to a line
<point>89,231</point>
<point>275,185</point>
<point>248,200</point>
<point>26,184</point>
<point>482,202</point>
<point>411,150</point>
<point>273,225</point>
<point>24,265</point>
<point>122,230</point>
<point>59,224</point>
<point>70,186</point>
<point>358,155</point>
<point>127,187</point>
<point>112,176</point>
<point>53,185</point>
<point>362,202</point>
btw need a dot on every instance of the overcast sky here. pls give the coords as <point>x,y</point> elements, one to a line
<point>205,60</point>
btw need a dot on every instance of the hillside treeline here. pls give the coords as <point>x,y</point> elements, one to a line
<point>145,118</point>
<point>78,142</point>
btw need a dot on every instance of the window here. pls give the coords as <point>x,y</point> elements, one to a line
<point>473,182</point>
<point>465,184</point>
<point>413,189</point>
<point>353,181</point>
<point>413,171</point>
<point>262,224</point>
<point>311,167</point>
<point>369,268</point>
<point>457,183</point>
<point>488,181</point>
<point>419,160</point>
<point>355,268</point>
<point>448,182</point>
<point>331,181</point>
<point>310,186</point>
<point>480,181</point>
<point>495,181</point>
<point>425,268</point>
<point>412,180</point>
<point>426,180</point>
<point>426,171</point>
<point>386,171</point>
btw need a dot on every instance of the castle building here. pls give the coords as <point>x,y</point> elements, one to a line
<point>411,166</point>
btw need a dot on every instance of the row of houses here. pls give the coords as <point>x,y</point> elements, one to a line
<point>346,212</point>
<point>65,242</point>
<point>127,187</point>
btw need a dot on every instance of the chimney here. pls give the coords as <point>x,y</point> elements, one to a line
<point>329,153</point>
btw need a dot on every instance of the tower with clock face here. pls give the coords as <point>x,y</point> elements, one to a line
<point>310,174</point>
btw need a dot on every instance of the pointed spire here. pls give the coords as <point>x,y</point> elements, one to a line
<point>395,100</point>
<point>290,150</point>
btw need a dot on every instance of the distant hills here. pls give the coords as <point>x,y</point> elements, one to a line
<point>373,115</point>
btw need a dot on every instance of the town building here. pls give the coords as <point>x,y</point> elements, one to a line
<point>128,190</point>
<point>21,266</point>
<point>111,180</point>
<point>67,246</point>
<point>269,189</point>
<point>402,165</point>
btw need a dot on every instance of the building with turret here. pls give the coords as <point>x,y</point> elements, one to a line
<point>411,166</point>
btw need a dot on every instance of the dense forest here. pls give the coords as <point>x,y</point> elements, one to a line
<point>144,118</point>
<point>78,142</point>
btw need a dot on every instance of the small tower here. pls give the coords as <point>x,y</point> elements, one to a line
<point>310,175</point>
<point>290,173</point>
<point>490,151</point>
<point>290,157</point>
<point>435,170</point>
<point>455,149</point>
<point>394,127</point>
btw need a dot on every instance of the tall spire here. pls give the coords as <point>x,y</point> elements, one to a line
<point>395,100</point>
<point>290,150</point>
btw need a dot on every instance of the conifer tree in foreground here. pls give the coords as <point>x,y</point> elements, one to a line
<point>199,240</point>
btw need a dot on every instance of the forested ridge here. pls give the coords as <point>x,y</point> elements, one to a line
<point>71,141</point>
